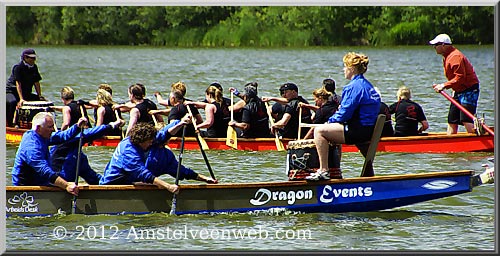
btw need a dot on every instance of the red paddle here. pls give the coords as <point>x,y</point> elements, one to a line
<point>469,114</point>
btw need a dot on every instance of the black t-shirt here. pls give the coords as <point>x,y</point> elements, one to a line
<point>177,113</point>
<point>408,114</point>
<point>219,126</point>
<point>255,114</point>
<point>110,116</point>
<point>144,108</point>
<point>76,113</point>
<point>292,127</point>
<point>26,75</point>
<point>325,112</point>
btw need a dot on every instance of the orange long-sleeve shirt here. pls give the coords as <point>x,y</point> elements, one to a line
<point>459,71</point>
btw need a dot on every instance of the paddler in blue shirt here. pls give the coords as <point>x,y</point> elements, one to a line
<point>354,122</point>
<point>31,165</point>
<point>63,157</point>
<point>142,157</point>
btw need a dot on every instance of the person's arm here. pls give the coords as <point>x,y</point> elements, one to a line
<point>66,113</point>
<point>425,126</point>
<point>162,184</point>
<point>134,116</point>
<point>308,106</point>
<point>20,93</point>
<point>277,99</point>
<point>243,126</point>
<point>196,104</point>
<point>282,123</point>
<point>100,116</point>
<point>161,101</point>
<point>238,106</point>
<point>70,187</point>
<point>38,90</point>
<point>209,116</point>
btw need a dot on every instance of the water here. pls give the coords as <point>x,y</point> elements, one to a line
<point>463,222</point>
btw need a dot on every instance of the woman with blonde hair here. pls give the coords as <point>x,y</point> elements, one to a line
<point>355,120</point>
<point>214,114</point>
<point>104,113</point>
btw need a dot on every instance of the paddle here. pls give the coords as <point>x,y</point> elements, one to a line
<point>77,172</point>
<point>300,123</point>
<point>201,141</point>
<point>466,112</point>
<point>200,144</point>
<point>279,144</point>
<point>231,137</point>
<point>174,198</point>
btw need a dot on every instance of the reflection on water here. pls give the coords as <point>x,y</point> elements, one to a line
<point>463,222</point>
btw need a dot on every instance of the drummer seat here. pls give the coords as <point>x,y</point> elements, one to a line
<point>369,148</point>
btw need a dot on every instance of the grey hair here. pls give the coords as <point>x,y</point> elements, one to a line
<point>40,119</point>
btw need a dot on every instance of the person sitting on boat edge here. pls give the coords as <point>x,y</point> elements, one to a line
<point>140,112</point>
<point>238,106</point>
<point>254,121</point>
<point>128,162</point>
<point>24,76</point>
<point>64,156</point>
<point>71,111</point>
<point>31,165</point>
<point>355,120</point>
<point>179,108</point>
<point>408,115</point>
<point>214,122</point>
<point>290,121</point>
<point>161,160</point>
<point>326,108</point>
<point>104,113</point>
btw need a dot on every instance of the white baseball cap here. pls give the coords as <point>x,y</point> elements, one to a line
<point>441,38</point>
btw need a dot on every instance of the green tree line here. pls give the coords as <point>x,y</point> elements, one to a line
<point>247,26</point>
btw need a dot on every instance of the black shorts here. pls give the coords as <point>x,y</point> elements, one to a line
<point>456,116</point>
<point>358,135</point>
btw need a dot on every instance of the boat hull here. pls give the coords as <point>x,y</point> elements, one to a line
<point>432,143</point>
<point>332,196</point>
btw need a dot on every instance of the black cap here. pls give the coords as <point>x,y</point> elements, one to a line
<point>289,86</point>
<point>29,53</point>
<point>250,91</point>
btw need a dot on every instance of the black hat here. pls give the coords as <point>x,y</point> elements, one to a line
<point>250,91</point>
<point>289,86</point>
<point>29,53</point>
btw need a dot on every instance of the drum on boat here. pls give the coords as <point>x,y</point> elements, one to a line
<point>302,159</point>
<point>29,109</point>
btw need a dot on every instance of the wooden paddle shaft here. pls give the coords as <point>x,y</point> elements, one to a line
<point>469,114</point>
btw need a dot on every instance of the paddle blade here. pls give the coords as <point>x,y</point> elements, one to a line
<point>231,138</point>
<point>203,143</point>
<point>279,144</point>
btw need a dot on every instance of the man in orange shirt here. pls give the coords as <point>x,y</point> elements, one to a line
<point>462,80</point>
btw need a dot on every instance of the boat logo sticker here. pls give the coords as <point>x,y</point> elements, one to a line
<point>263,196</point>
<point>22,203</point>
<point>439,184</point>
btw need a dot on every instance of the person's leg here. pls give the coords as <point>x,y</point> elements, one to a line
<point>324,134</point>
<point>11,102</point>
<point>452,129</point>
<point>468,122</point>
<point>453,119</point>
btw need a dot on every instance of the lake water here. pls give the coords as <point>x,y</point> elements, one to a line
<point>463,222</point>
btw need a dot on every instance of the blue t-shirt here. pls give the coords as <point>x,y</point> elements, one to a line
<point>360,104</point>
